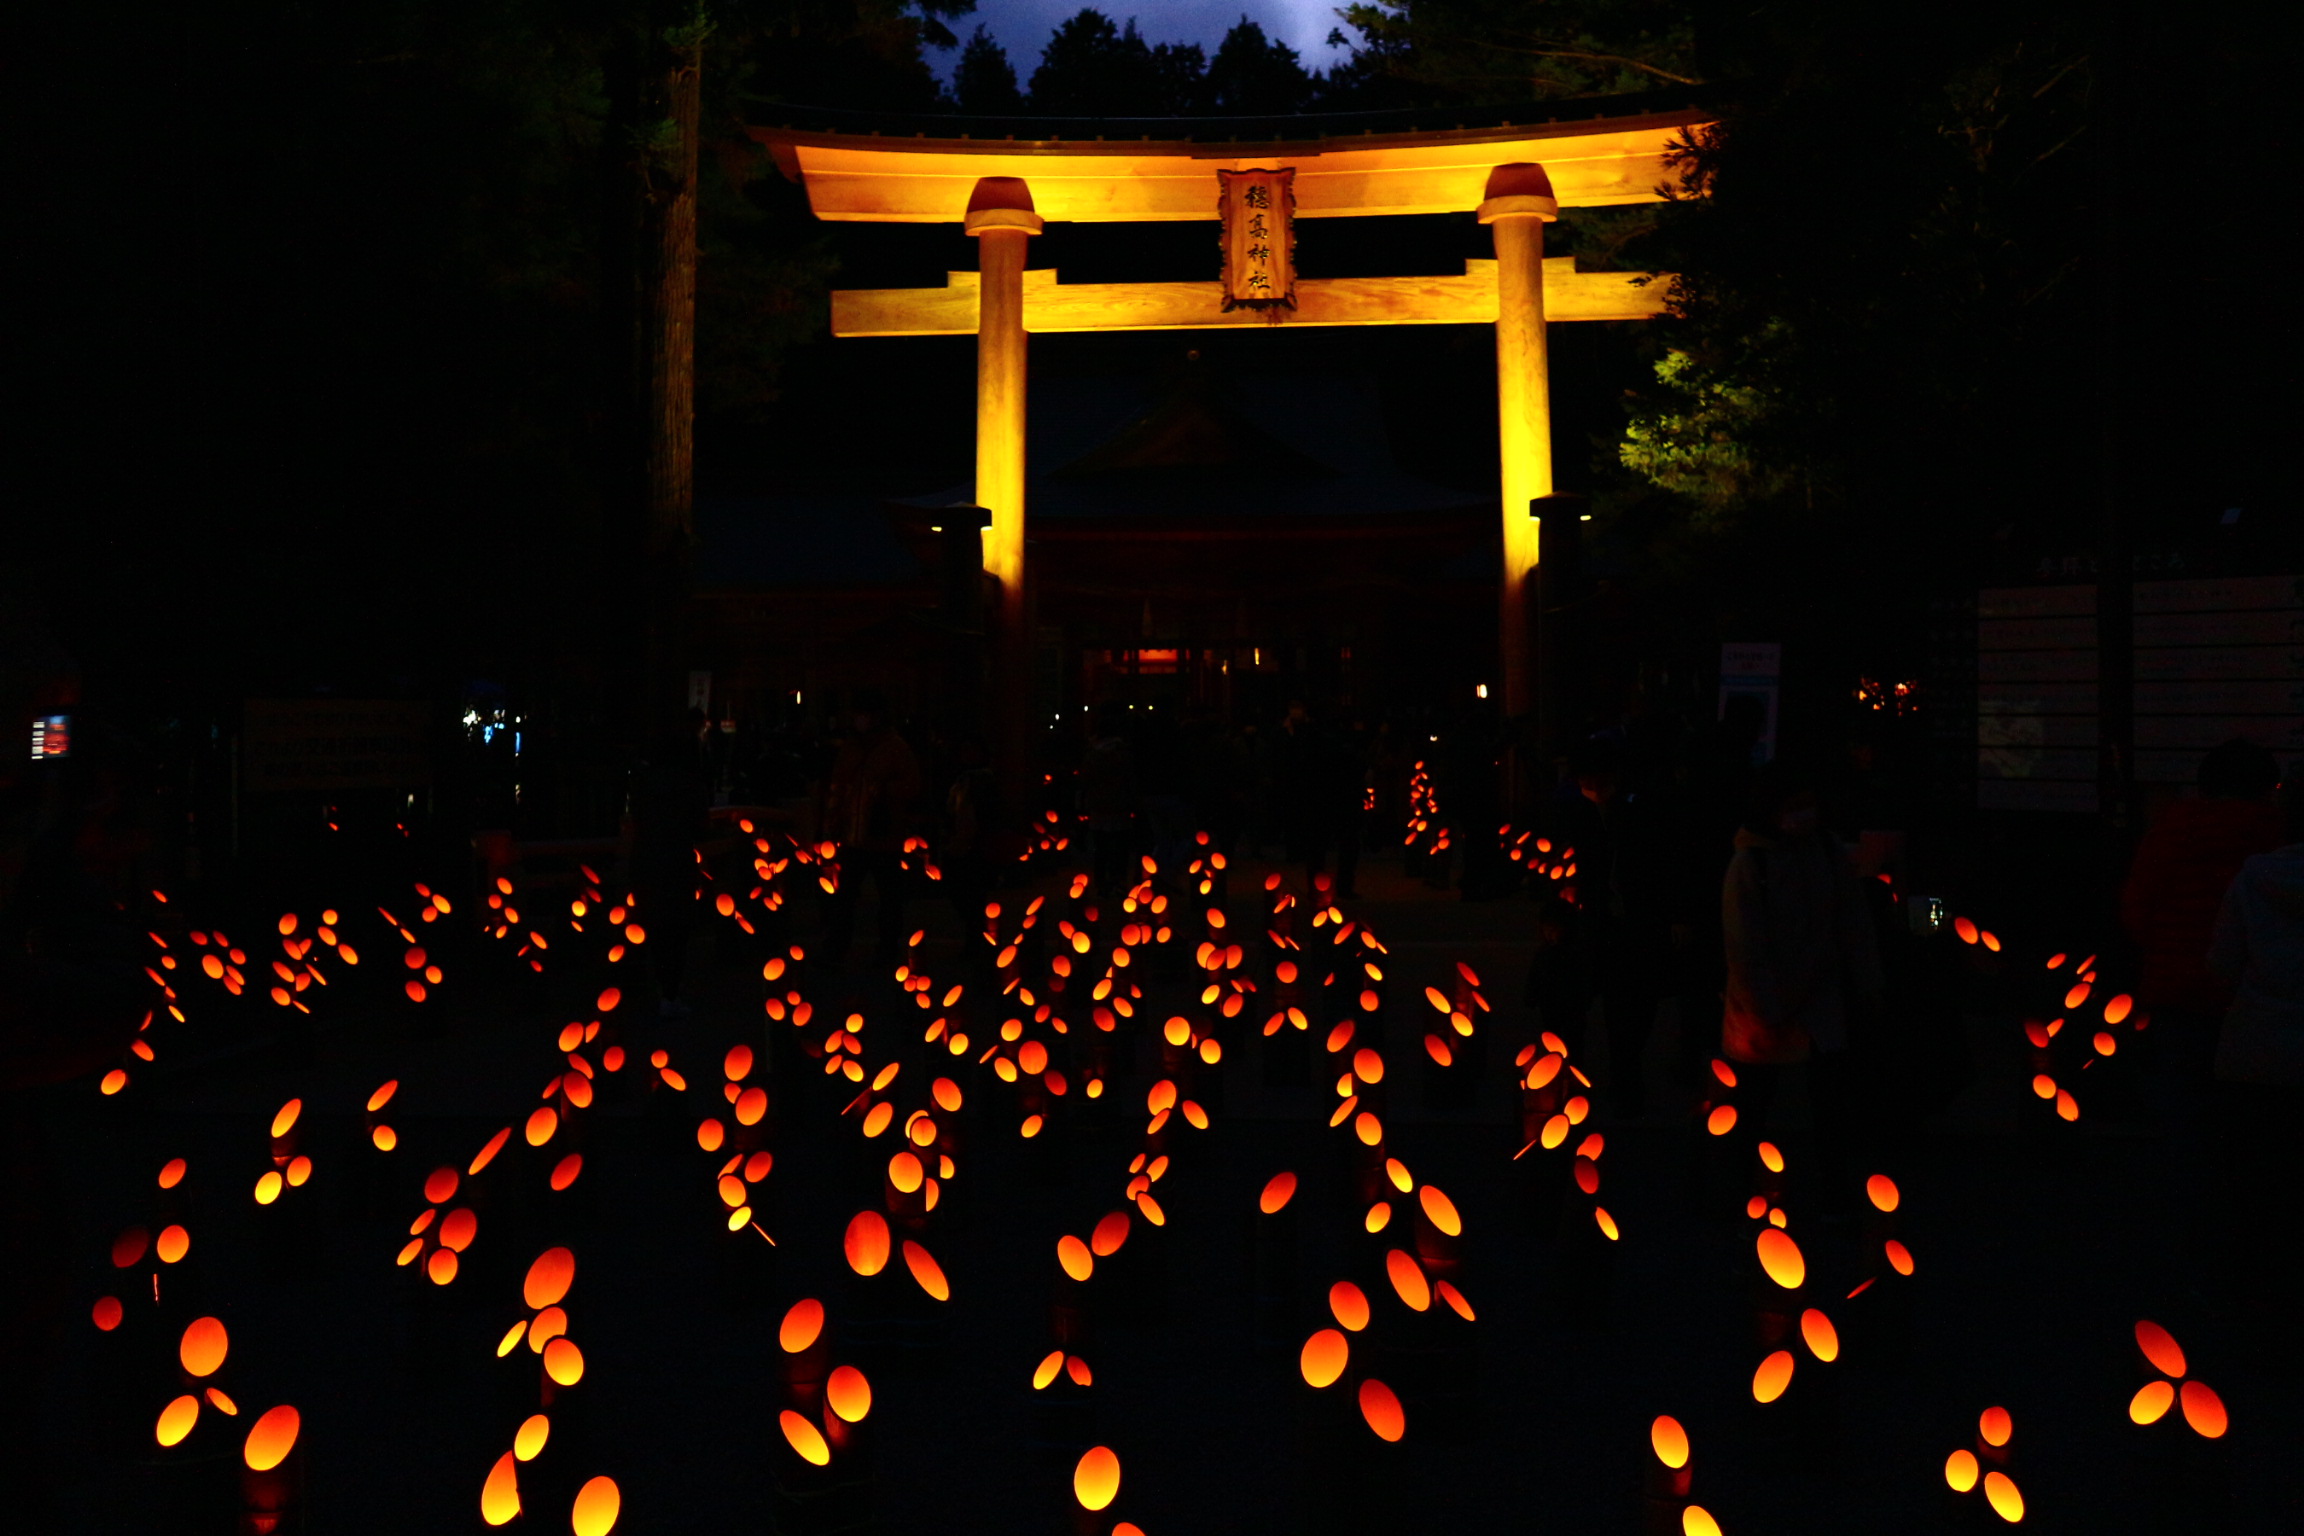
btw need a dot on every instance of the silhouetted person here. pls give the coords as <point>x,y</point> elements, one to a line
<point>2258,950</point>
<point>1803,966</point>
<point>869,803</point>
<point>2176,884</point>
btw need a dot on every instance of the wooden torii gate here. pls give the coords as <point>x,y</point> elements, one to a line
<point>1517,176</point>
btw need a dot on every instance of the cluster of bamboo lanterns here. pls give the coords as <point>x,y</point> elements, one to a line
<point>1040,1021</point>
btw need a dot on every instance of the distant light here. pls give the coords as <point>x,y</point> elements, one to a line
<point>1480,691</point>
<point>1587,517</point>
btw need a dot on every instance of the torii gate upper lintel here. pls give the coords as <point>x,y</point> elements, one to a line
<point>1003,190</point>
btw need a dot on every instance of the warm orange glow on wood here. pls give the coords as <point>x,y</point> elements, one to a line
<point>849,1394</point>
<point>1781,1258</point>
<point>500,1494</point>
<point>271,1438</point>
<point>564,1362</point>
<point>2204,1410</point>
<point>926,1271</point>
<point>548,1278</point>
<point>1817,1332</point>
<point>204,1346</point>
<point>176,1420</point>
<point>2151,1402</point>
<point>1096,1480</point>
<point>1407,1277</point>
<point>529,1442</point>
<point>1380,1406</point>
<point>2000,1491</point>
<point>1669,1441</point>
<point>1773,1376</point>
<point>2160,1347</point>
<point>1440,1210</point>
<point>1323,1358</point>
<point>1073,1255</point>
<point>866,1243</point>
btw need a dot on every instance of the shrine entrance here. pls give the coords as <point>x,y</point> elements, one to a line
<point>1255,178</point>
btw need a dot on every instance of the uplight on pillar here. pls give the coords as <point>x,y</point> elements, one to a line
<point>1518,202</point>
<point>1001,219</point>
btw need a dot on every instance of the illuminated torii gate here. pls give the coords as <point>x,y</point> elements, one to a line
<point>1517,176</point>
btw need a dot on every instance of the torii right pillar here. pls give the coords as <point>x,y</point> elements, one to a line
<point>1518,203</point>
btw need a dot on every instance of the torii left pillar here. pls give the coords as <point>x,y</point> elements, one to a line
<point>1001,218</point>
<point>1517,205</point>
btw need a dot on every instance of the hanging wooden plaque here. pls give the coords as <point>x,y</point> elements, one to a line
<point>1259,214</point>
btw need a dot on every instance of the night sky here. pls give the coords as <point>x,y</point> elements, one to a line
<point>1022,26</point>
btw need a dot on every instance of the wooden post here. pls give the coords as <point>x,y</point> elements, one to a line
<point>1001,219</point>
<point>1518,203</point>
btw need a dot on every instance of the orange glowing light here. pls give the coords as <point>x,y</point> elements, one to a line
<point>1045,1371</point>
<point>1770,1158</point>
<point>1278,1191</point>
<point>271,1438</point>
<point>926,1271</point>
<point>1323,1358</point>
<point>548,1278</point>
<point>1996,1425</point>
<point>1822,1339</point>
<point>2160,1347</point>
<point>285,1120</point>
<point>866,1243</point>
<point>1781,1258</point>
<point>1407,1277</point>
<point>107,1312</point>
<point>172,1244</point>
<point>487,1154</point>
<point>2075,997</point>
<point>1440,1210</point>
<point>204,1346</point>
<point>1774,1375</point>
<point>1960,1471</point>
<point>564,1173</point>
<point>1073,1255</point>
<point>500,1495</point>
<point>1110,1233</point>
<point>1722,1120</point>
<point>440,1186</point>
<point>1882,1192</point>
<point>1096,1480</point>
<point>1696,1520</point>
<point>802,1325</point>
<point>529,1442</point>
<point>804,1438</point>
<point>1380,1406</point>
<point>1899,1256</point>
<point>441,1267</point>
<point>176,1420</point>
<point>2204,1410</point>
<point>1669,1441</point>
<point>541,1126</point>
<point>849,1394</point>
<point>564,1362</point>
<point>2151,1402</point>
<point>2000,1491</point>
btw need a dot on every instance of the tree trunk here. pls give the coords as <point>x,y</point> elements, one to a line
<point>668,347</point>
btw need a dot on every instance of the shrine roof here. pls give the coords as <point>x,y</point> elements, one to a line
<point>1599,150</point>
